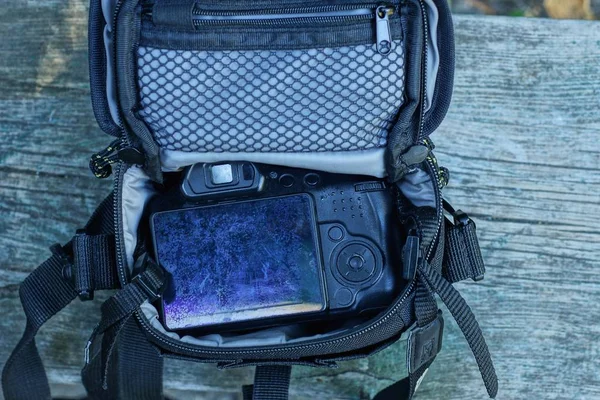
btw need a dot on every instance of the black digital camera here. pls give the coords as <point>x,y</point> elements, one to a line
<point>250,245</point>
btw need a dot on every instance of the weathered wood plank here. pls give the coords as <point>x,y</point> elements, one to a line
<point>521,140</point>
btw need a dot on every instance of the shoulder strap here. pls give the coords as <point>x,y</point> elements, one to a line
<point>72,270</point>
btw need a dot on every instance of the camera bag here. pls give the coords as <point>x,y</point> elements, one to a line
<point>341,86</point>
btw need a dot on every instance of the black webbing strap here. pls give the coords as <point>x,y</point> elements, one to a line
<point>423,344</point>
<point>462,254</point>
<point>467,323</point>
<point>118,349</point>
<point>145,286</point>
<point>425,340</point>
<point>271,382</point>
<point>405,388</point>
<point>136,366</point>
<point>94,264</point>
<point>43,293</point>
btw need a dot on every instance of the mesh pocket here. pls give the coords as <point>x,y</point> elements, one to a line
<point>270,101</point>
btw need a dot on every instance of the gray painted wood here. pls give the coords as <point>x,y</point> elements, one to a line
<point>521,140</point>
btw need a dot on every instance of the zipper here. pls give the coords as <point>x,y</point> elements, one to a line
<point>309,16</point>
<point>121,149</point>
<point>118,150</point>
<point>341,339</point>
<point>423,70</point>
<point>431,160</point>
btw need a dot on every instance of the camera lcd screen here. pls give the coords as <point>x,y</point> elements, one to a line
<point>239,261</point>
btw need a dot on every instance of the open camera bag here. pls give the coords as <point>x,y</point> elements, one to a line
<point>342,86</point>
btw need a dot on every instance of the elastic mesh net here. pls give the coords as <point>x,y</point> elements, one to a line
<point>270,101</point>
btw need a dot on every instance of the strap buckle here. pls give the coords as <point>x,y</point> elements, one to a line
<point>68,270</point>
<point>461,218</point>
<point>424,343</point>
<point>69,265</point>
<point>142,280</point>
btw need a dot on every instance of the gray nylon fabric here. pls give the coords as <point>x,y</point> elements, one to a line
<point>312,100</point>
<point>364,162</point>
<point>108,9</point>
<point>417,187</point>
<point>433,56</point>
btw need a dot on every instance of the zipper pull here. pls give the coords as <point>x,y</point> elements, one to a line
<point>101,162</point>
<point>383,32</point>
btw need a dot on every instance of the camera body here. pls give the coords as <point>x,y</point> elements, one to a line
<point>357,235</point>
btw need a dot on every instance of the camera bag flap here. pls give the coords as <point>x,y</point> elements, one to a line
<point>332,101</point>
<point>345,87</point>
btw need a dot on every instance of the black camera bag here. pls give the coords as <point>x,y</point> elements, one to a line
<point>342,86</point>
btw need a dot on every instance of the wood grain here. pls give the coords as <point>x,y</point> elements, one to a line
<point>521,140</point>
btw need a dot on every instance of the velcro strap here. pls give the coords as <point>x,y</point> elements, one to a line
<point>462,258</point>
<point>94,263</point>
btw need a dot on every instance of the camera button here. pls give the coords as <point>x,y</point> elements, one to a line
<point>287,180</point>
<point>343,297</point>
<point>356,262</point>
<point>311,179</point>
<point>335,233</point>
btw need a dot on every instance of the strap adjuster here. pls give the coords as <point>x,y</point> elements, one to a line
<point>424,343</point>
<point>87,263</point>
<point>461,218</point>
<point>144,280</point>
<point>462,258</point>
<point>68,272</point>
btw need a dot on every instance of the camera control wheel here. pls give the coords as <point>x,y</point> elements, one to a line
<point>356,262</point>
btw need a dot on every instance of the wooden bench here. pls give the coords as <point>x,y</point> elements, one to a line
<point>521,141</point>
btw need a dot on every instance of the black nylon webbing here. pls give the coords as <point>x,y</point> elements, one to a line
<point>43,293</point>
<point>126,366</point>
<point>125,302</point>
<point>134,370</point>
<point>467,323</point>
<point>426,312</point>
<point>271,382</point>
<point>462,257</point>
<point>94,261</point>
<point>426,309</point>
<point>405,388</point>
<point>139,365</point>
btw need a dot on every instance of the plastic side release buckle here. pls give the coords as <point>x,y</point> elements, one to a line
<point>411,254</point>
<point>424,343</point>
<point>68,272</point>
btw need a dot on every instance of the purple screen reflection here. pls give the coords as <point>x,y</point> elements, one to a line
<point>239,261</point>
